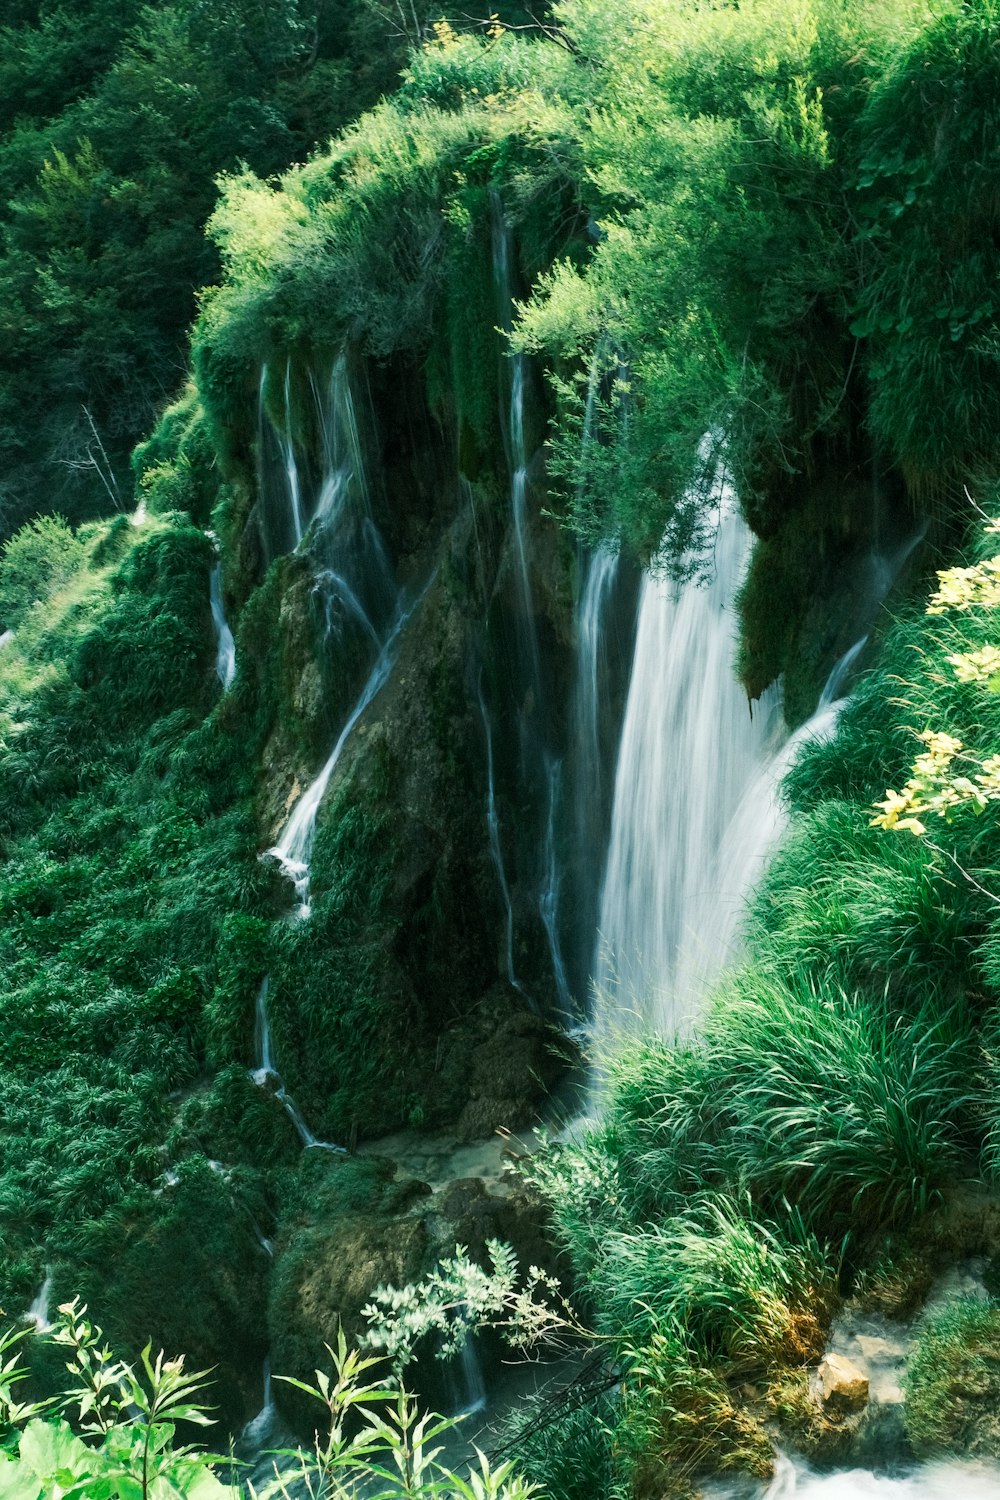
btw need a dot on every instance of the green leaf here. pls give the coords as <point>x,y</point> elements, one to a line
<point>50,1448</point>
<point>17,1482</point>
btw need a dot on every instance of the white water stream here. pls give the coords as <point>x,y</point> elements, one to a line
<point>753,833</point>
<point>496,851</point>
<point>38,1312</point>
<point>548,900</point>
<point>293,851</point>
<point>265,1074</point>
<point>225,648</point>
<point>936,1481</point>
<point>602,570</point>
<point>689,749</point>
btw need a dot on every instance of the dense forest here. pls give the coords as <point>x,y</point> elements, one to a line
<point>498,582</point>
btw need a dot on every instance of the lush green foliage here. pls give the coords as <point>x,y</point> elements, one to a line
<point>952,1382</point>
<point>753,222</point>
<point>114,120</point>
<point>126,1421</point>
<point>842,1082</point>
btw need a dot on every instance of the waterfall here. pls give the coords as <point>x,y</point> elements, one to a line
<point>540,768</point>
<point>38,1312</point>
<point>262,1036</point>
<point>265,1073</point>
<point>496,853</point>
<point>601,573</point>
<point>689,748</point>
<point>293,850</point>
<point>712,938</point>
<point>225,652</point>
<point>943,1480</point>
<point>334,589</point>
<point>343,458</point>
<point>259,1428</point>
<point>548,901</point>
<point>697,808</point>
<point>284,519</point>
<point>516,442</point>
<point>291,466</point>
<point>467,1389</point>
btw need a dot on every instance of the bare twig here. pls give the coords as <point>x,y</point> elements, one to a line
<point>964,872</point>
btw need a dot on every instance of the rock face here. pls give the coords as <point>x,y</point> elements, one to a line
<point>842,1388</point>
<point>362,1223</point>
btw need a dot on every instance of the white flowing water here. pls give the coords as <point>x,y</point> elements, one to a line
<point>225,648</point>
<point>38,1312</point>
<point>343,457</point>
<point>548,900</point>
<point>689,749</point>
<point>469,1389</point>
<point>519,502</point>
<point>602,570</point>
<point>292,499</point>
<point>517,451</point>
<point>713,936</point>
<point>936,1481</point>
<point>293,850</point>
<point>496,852</point>
<point>265,1068</point>
<point>291,466</point>
<point>265,1073</point>
<point>335,591</point>
<point>257,1431</point>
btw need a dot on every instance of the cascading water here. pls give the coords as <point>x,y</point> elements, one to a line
<point>343,459</point>
<point>38,1312</point>
<point>496,852</point>
<point>688,750</point>
<point>712,938</point>
<point>265,1075</point>
<point>548,901</point>
<point>602,571</point>
<point>697,810</point>
<point>293,850</point>
<point>936,1481</point>
<point>265,1068</point>
<point>291,465</point>
<point>467,1388</point>
<point>225,650</point>
<point>540,766</point>
<point>259,1429</point>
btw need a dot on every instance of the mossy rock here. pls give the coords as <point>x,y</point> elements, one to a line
<point>339,1242</point>
<point>188,1273</point>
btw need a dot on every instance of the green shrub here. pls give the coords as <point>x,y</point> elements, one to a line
<point>35,564</point>
<point>953,1381</point>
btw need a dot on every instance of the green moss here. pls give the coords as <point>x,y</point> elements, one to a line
<point>953,1381</point>
<point>471,319</point>
<point>187,1271</point>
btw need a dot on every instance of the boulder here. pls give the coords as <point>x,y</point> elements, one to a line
<point>841,1387</point>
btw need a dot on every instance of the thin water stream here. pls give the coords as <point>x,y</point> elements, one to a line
<point>225,647</point>
<point>496,850</point>
<point>38,1312</point>
<point>293,851</point>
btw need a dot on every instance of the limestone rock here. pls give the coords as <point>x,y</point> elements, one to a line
<point>841,1386</point>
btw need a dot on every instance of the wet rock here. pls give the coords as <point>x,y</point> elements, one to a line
<point>514,1065</point>
<point>841,1386</point>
